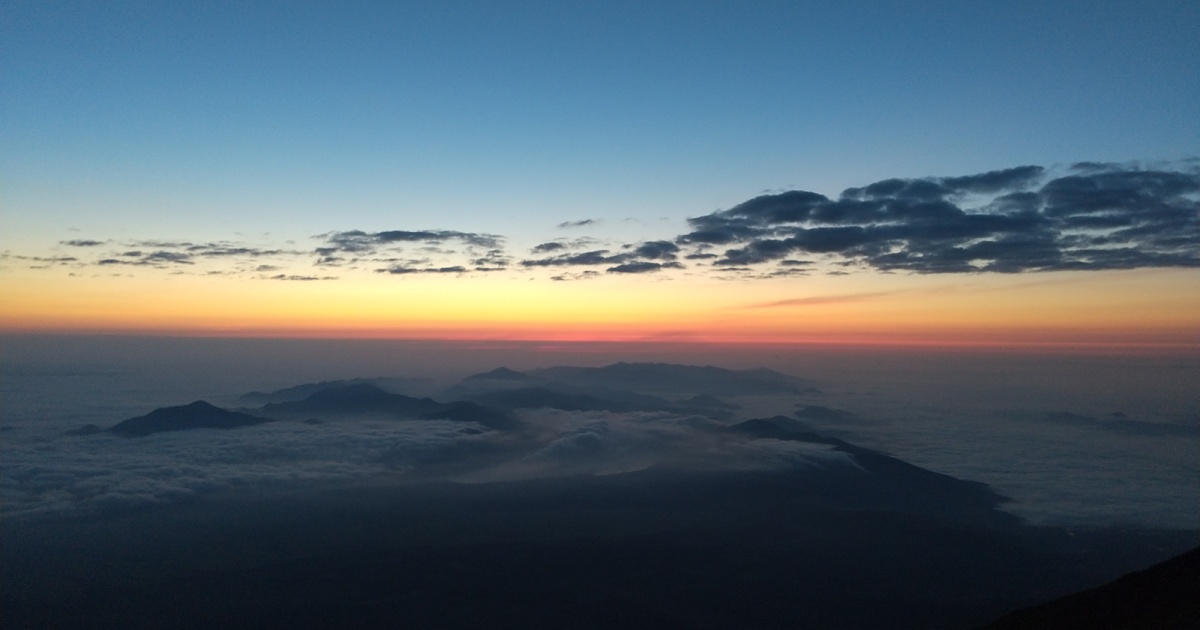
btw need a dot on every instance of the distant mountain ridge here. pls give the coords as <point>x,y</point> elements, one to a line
<point>355,399</point>
<point>300,392</point>
<point>197,415</point>
<point>362,398</point>
<point>669,377</point>
<point>623,381</point>
<point>501,373</point>
<point>487,398</point>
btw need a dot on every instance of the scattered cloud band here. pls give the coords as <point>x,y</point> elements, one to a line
<point>1090,216</point>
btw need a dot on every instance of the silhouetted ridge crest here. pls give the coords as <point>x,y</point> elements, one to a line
<point>501,374</point>
<point>362,398</point>
<point>825,414</point>
<point>654,377</point>
<point>300,392</point>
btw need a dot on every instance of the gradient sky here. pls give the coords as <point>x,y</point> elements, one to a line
<point>604,170</point>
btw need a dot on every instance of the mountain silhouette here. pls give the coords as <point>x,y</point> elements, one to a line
<point>538,397</point>
<point>817,413</point>
<point>667,377</point>
<point>197,415</point>
<point>365,399</point>
<point>502,374</point>
<point>300,392</point>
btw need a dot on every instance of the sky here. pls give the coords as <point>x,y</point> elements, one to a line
<point>921,173</point>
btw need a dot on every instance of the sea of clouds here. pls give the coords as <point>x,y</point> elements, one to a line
<point>1075,459</point>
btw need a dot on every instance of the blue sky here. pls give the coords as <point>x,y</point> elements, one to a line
<point>170,119</point>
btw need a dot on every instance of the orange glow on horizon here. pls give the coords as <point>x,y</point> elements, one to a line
<point>1156,309</point>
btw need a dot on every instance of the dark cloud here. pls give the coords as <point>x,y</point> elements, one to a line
<point>995,181</point>
<point>1102,216</point>
<point>491,260</point>
<point>563,246</point>
<point>482,252</point>
<point>357,241</point>
<point>155,244</point>
<point>160,258</point>
<point>168,254</point>
<point>399,270</point>
<point>301,278</point>
<point>721,228</point>
<point>42,259</point>
<point>575,224</point>
<point>1095,166</point>
<point>595,257</point>
<point>639,258</point>
<point>546,248</point>
<point>643,267</point>
<point>784,272</point>
<point>167,257</point>
<point>221,249</point>
<point>656,250</point>
<point>583,275</point>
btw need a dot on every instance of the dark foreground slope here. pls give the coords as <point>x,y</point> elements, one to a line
<point>1163,597</point>
<point>646,549</point>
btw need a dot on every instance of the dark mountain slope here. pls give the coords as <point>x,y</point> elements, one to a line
<point>656,378</point>
<point>885,482</point>
<point>1164,596</point>
<point>664,377</point>
<point>364,399</point>
<point>198,415</point>
<point>300,392</point>
<point>539,397</point>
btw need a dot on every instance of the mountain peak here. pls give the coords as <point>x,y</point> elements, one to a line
<point>500,374</point>
<point>198,414</point>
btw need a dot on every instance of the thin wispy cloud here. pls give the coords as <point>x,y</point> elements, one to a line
<point>576,224</point>
<point>293,277</point>
<point>820,300</point>
<point>399,270</point>
<point>643,266</point>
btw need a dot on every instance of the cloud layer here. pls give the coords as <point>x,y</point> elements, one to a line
<point>1097,217</point>
<point>1091,216</point>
